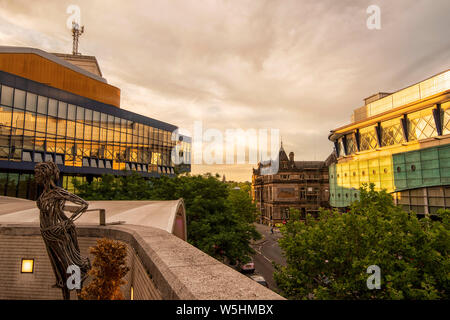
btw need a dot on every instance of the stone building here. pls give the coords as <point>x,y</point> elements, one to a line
<point>301,185</point>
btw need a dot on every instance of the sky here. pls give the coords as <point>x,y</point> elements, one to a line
<point>297,66</point>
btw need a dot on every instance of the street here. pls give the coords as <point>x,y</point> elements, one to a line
<point>267,250</point>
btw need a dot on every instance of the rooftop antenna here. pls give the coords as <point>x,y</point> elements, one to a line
<point>76,33</point>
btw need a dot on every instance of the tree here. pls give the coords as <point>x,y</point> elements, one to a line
<point>108,269</point>
<point>328,257</point>
<point>219,218</point>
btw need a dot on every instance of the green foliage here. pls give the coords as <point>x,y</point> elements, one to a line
<point>108,270</point>
<point>327,258</point>
<point>129,187</point>
<point>219,218</point>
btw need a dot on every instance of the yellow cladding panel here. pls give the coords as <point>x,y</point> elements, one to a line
<point>39,69</point>
<point>378,171</point>
<point>345,175</point>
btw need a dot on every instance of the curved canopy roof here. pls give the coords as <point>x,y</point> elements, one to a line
<point>166,215</point>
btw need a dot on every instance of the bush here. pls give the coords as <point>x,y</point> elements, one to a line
<point>328,257</point>
<point>108,269</point>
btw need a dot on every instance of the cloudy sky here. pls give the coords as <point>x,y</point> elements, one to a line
<point>300,66</point>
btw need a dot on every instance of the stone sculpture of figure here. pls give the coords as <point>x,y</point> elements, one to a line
<point>57,229</point>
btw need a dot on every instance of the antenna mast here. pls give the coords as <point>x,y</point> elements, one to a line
<point>76,33</point>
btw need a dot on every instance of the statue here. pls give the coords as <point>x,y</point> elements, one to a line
<point>57,229</point>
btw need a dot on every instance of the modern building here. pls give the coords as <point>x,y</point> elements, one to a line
<point>301,185</point>
<point>59,107</point>
<point>399,142</point>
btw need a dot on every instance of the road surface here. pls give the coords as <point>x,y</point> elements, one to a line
<point>267,250</point>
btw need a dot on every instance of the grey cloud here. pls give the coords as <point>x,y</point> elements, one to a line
<point>298,65</point>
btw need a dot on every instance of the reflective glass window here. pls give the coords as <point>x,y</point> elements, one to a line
<point>31,102</point>
<point>39,141</point>
<point>7,96</point>
<point>71,112</point>
<point>30,121</point>
<point>123,125</point>
<point>42,105</point>
<point>103,120</point>
<point>110,122</point>
<point>59,159</point>
<point>5,116</point>
<point>96,118</point>
<point>87,132</point>
<point>41,123</point>
<point>392,132</point>
<point>95,133</point>
<point>26,156</point>
<point>51,125</point>
<point>18,119</point>
<point>70,129</point>
<point>50,143</point>
<point>421,125</point>
<point>19,99</point>
<point>38,157</point>
<point>62,110</point>
<point>60,144</point>
<point>446,117</point>
<point>88,116</point>
<point>80,114</point>
<point>28,140</point>
<point>61,127</point>
<point>52,108</point>
<point>368,138</point>
<point>79,131</point>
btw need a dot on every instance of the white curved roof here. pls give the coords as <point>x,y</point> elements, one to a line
<point>157,214</point>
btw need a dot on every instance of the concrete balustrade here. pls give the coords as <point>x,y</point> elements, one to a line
<point>162,266</point>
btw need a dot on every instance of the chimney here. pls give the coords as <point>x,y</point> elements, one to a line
<point>291,156</point>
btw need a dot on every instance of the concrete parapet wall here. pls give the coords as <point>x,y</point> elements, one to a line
<point>162,266</point>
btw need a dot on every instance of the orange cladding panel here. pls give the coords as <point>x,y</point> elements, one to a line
<point>39,69</point>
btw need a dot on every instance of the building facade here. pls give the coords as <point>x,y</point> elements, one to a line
<point>399,142</point>
<point>301,185</point>
<point>53,109</point>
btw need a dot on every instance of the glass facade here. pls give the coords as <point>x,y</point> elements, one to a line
<point>35,128</point>
<point>368,138</point>
<point>421,125</point>
<point>392,132</point>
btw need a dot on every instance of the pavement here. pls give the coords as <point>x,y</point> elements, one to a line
<point>267,251</point>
